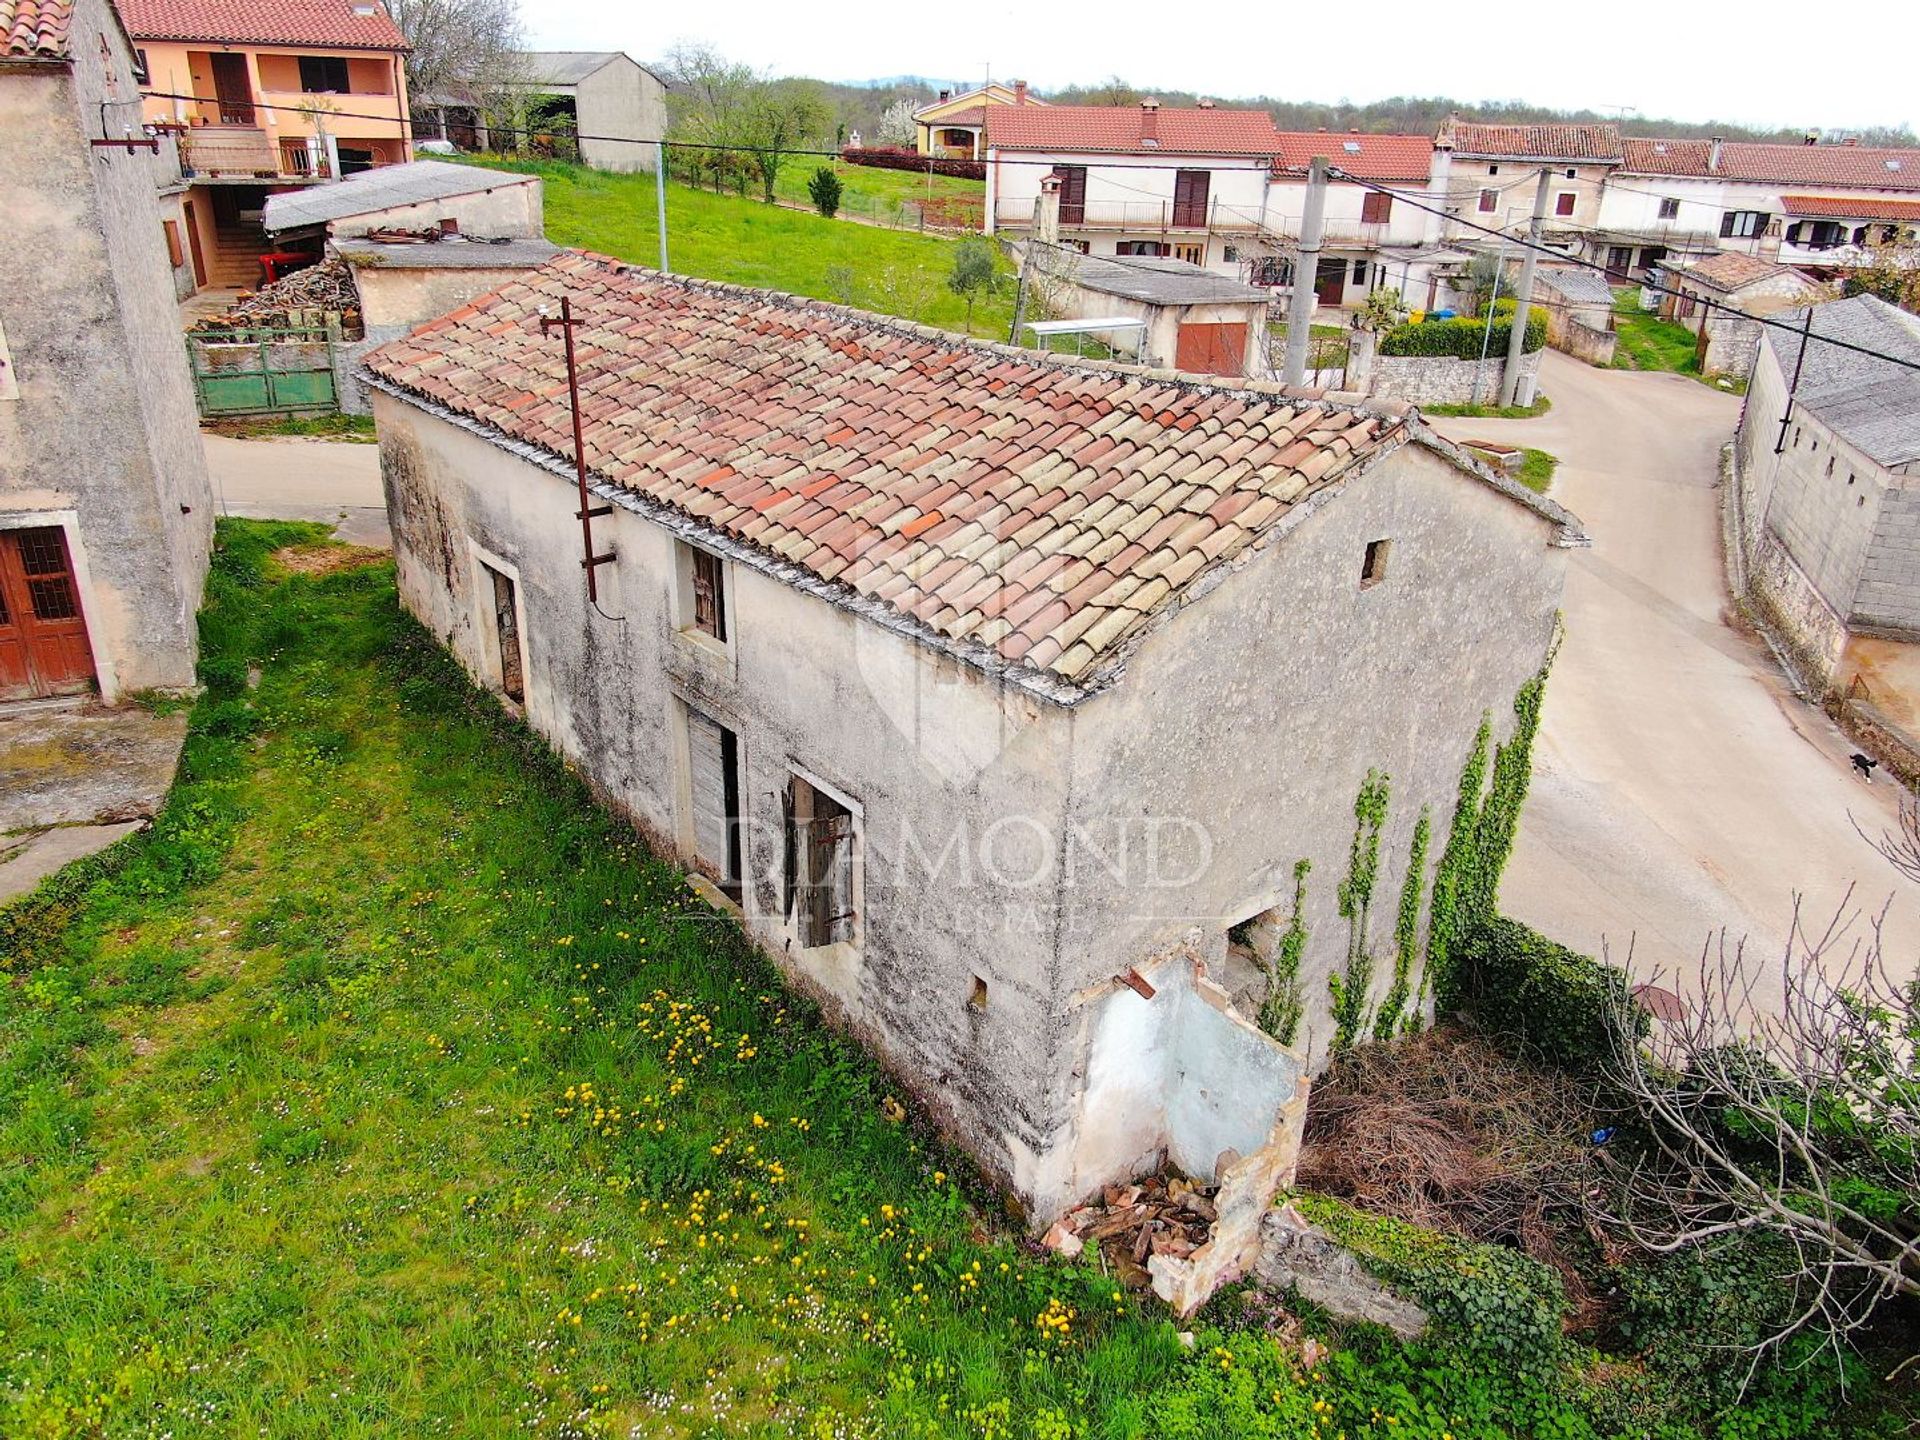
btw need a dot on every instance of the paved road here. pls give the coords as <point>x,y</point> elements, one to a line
<point>1680,787</point>
<point>331,480</point>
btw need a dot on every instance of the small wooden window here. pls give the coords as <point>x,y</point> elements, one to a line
<point>709,594</point>
<point>176,256</point>
<point>1563,203</point>
<point>1669,209</point>
<point>1373,568</point>
<point>1376,208</point>
<point>821,860</point>
<point>1489,201</point>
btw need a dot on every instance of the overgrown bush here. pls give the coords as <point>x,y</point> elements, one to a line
<point>1461,337</point>
<point>823,188</point>
<point>1561,1003</point>
<point>888,158</point>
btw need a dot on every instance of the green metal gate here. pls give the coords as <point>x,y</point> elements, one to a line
<point>263,372</point>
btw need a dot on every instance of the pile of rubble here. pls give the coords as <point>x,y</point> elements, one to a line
<point>316,298</point>
<point>1162,1215</point>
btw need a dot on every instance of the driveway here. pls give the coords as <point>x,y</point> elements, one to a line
<point>334,481</point>
<point>1680,788</point>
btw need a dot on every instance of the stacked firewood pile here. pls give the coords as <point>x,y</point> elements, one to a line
<point>311,299</point>
<point>1162,1215</point>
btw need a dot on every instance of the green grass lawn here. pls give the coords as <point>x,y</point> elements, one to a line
<point>873,191</point>
<point>355,429</point>
<point>387,1087</point>
<point>1646,342</point>
<point>1536,470</point>
<point>726,237</point>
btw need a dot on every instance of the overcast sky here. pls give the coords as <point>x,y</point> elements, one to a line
<point>1756,63</point>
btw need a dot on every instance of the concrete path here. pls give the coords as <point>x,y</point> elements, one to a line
<point>334,481</point>
<point>1680,787</point>
<point>76,777</point>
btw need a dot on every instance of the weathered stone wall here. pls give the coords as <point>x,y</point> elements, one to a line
<point>104,434</point>
<point>1443,380</point>
<point>514,208</point>
<point>1245,727</point>
<point>1593,344</point>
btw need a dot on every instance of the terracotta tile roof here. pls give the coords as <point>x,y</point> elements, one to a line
<point>34,29</point>
<point>1859,166</point>
<point>1371,157</point>
<point>1534,142</point>
<point>340,24</point>
<point>1032,513</point>
<point>1844,207</point>
<point>1730,270</point>
<point>977,115</point>
<point>1200,131</point>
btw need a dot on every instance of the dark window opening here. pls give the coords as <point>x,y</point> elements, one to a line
<point>1493,169</point>
<point>1141,247</point>
<point>977,996</point>
<point>1373,569</point>
<point>819,865</point>
<point>1669,209</point>
<point>709,595</point>
<point>324,75</point>
<point>1743,224</point>
<point>140,71</point>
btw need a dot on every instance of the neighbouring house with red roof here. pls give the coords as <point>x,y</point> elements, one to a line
<point>955,125</point>
<point>1494,170</point>
<point>1220,188</point>
<point>1018,706</point>
<point>106,512</point>
<point>1722,299</point>
<point>266,95</point>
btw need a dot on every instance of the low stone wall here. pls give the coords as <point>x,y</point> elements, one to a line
<point>1587,342</point>
<point>1732,343</point>
<point>1443,380</point>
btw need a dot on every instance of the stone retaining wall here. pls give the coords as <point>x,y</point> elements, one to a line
<point>1443,380</point>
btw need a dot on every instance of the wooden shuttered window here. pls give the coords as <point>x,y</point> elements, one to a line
<point>820,861</point>
<point>709,594</point>
<point>1376,208</point>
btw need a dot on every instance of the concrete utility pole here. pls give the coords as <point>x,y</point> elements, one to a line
<point>660,196</point>
<point>1523,294</point>
<point>1306,273</point>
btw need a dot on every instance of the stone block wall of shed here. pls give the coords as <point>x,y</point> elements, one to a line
<point>1247,724</point>
<point>105,426</point>
<point>961,780</point>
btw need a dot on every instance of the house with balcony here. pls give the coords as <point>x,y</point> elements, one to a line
<point>262,97</point>
<point>1817,207</point>
<point>955,126</point>
<point>1493,172</point>
<point>1375,230</point>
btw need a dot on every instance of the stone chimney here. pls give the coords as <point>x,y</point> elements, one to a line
<point>1204,103</point>
<point>1813,137</point>
<point>1019,92</point>
<point>945,95</point>
<point>1149,121</point>
<point>1046,210</point>
<point>1713,155</point>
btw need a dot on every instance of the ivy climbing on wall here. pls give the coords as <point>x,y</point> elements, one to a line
<point>1280,1012</point>
<point>1395,1016</point>
<point>1480,839</point>
<point>1350,984</point>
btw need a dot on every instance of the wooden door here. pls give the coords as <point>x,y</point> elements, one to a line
<point>1330,282</point>
<point>713,769</point>
<point>506,630</point>
<point>1212,349</point>
<point>1190,199</point>
<point>1073,193</point>
<point>192,222</point>
<point>43,635</point>
<point>233,89</point>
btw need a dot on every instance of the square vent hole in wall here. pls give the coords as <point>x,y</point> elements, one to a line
<point>1373,566</point>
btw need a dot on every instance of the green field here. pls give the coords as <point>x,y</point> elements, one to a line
<point>726,237</point>
<point>1646,342</point>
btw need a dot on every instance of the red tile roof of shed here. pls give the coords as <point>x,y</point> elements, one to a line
<point>339,24</point>
<point>1375,157</point>
<point>1861,166</point>
<point>1041,510</point>
<point>1198,131</point>
<point>34,29</point>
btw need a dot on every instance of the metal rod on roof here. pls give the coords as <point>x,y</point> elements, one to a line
<point>590,561</point>
<point>1793,389</point>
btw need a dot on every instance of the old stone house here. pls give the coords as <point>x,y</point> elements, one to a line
<point>1190,318</point>
<point>105,507</point>
<point>995,690</point>
<point>1829,480</point>
<point>1578,305</point>
<point>1705,295</point>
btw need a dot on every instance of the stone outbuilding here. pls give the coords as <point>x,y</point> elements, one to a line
<point>617,105</point>
<point>1194,319</point>
<point>992,690</point>
<point>1578,305</point>
<point>1701,296</point>
<point>106,512</point>
<point>1829,480</point>
<point>420,195</point>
